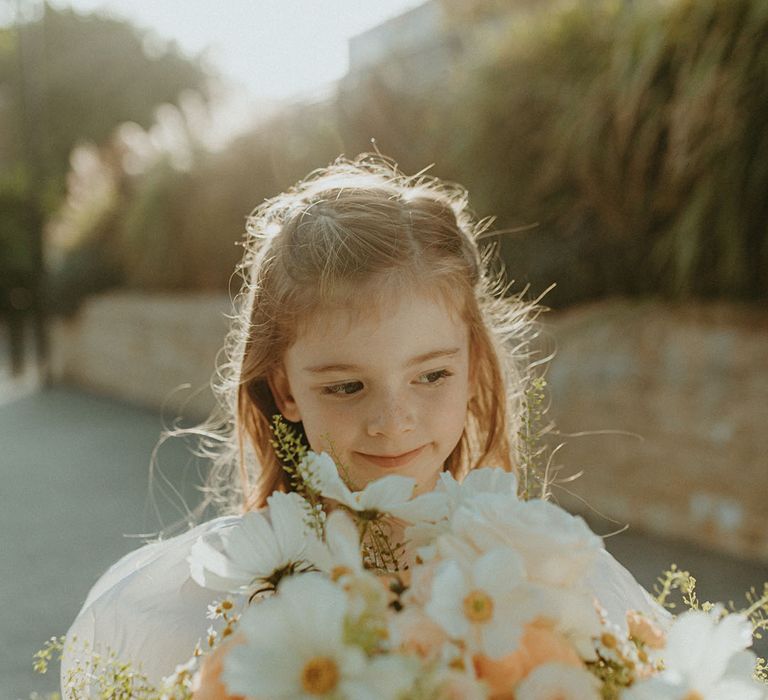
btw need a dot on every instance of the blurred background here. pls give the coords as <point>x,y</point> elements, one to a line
<point>622,147</point>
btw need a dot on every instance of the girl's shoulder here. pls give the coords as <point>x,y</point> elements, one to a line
<point>146,608</point>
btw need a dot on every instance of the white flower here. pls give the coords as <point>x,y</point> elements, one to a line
<point>449,494</point>
<point>705,658</point>
<point>383,496</point>
<point>295,649</point>
<point>486,604</point>
<point>431,512</point>
<point>487,480</point>
<point>389,677</point>
<point>340,558</point>
<point>256,548</point>
<point>431,507</point>
<point>557,681</point>
<point>339,554</point>
<point>558,548</point>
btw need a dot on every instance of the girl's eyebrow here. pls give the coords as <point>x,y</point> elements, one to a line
<point>426,357</point>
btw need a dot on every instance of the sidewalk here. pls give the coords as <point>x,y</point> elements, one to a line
<point>74,481</point>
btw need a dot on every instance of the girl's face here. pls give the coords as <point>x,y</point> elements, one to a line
<point>387,392</point>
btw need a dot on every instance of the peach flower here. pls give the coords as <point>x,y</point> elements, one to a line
<point>413,631</point>
<point>641,629</point>
<point>540,644</point>
<point>209,683</point>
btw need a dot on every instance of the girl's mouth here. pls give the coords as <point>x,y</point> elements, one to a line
<point>392,461</point>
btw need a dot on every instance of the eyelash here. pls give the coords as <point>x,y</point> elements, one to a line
<point>340,389</point>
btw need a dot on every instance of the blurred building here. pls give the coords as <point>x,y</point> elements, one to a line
<point>431,42</point>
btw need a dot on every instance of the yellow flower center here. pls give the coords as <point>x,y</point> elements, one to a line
<point>693,695</point>
<point>320,675</point>
<point>338,571</point>
<point>478,606</point>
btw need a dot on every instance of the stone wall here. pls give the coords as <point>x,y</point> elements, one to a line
<point>681,393</point>
<point>674,398</point>
<point>154,351</point>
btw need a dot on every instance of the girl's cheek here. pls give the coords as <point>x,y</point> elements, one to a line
<point>334,415</point>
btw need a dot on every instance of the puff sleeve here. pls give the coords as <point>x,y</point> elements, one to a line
<point>146,608</point>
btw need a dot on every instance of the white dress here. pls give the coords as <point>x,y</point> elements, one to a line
<point>148,610</point>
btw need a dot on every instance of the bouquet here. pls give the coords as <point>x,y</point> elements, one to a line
<point>493,598</point>
<point>466,592</point>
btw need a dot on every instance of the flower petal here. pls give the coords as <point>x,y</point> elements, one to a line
<point>331,485</point>
<point>428,507</point>
<point>490,480</point>
<point>445,606</point>
<point>387,492</point>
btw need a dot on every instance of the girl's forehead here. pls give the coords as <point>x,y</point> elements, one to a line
<point>402,322</point>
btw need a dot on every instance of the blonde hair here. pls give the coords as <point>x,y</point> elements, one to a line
<point>354,223</point>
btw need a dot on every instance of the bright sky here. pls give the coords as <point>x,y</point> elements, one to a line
<point>275,48</point>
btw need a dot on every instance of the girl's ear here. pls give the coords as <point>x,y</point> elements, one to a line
<point>281,391</point>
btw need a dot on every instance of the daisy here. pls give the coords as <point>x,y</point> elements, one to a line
<point>380,497</point>
<point>486,604</point>
<point>339,555</point>
<point>340,558</point>
<point>705,658</point>
<point>295,648</point>
<point>258,550</point>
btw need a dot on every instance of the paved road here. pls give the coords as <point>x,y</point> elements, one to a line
<point>74,481</point>
<point>74,485</point>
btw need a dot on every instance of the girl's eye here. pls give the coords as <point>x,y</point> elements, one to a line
<point>344,389</point>
<point>434,377</point>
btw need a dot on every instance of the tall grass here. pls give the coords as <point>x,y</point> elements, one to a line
<point>640,131</point>
<point>631,135</point>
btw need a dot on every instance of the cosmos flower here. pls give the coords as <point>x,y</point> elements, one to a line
<point>295,648</point>
<point>379,497</point>
<point>487,603</point>
<point>705,658</point>
<point>258,549</point>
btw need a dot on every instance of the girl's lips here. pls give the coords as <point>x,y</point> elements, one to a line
<point>387,462</point>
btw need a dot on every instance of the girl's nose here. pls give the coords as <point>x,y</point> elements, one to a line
<point>391,417</point>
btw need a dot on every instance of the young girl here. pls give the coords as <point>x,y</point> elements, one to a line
<point>368,320</point>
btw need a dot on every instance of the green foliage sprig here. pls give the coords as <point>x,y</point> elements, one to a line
<point>380,552</point>
<point>674,579</point>
<point>292,452</point>
<point>757,610</point>
<point>534,460</point>
<point>96,674</point>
